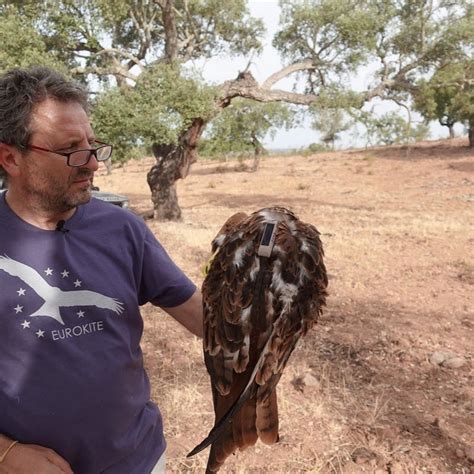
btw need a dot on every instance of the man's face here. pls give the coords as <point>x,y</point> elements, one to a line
<point>45,176</point>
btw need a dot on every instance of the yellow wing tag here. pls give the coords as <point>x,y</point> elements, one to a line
<point>205,268</point>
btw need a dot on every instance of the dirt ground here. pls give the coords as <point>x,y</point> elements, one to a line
<point>362,392</point>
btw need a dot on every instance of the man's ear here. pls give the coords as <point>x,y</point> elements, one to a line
<point>10,159</point>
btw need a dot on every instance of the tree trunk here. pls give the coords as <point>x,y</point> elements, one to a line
<point>471,132</point>
<point>451,131</point>
<point>162,181</point>
<point>172,163</point>
<point>258,150</point>
<point>447,122</point>
<point>108,166</point>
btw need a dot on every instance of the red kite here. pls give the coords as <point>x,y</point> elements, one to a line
<point>265,288</point>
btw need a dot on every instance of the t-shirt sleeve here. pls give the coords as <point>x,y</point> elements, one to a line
<point>162,281</point>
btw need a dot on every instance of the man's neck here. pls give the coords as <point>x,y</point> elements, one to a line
<point>32,213</point>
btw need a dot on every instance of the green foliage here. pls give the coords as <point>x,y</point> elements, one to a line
<point>391,128</point>
<point>448,97</point>
<point>330,123</point>
<point>22,44</point>
<point>109,38</point>
<point>414,42</point>
<point>409,39</point>
<point>162,104</point>
<point>113,115</point>
<point>242,126</point>
<point>317,148</point>
<point>337,35</point>
<point>221,26</point>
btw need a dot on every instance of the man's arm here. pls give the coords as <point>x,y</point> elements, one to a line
<point>189,314</point>
<point>28,458</point>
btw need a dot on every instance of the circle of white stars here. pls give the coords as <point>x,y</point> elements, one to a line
<point>22,292</point>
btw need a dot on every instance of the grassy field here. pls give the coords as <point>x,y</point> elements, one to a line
<point>360,393</point>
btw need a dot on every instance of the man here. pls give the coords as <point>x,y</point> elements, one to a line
<point>74,396</point>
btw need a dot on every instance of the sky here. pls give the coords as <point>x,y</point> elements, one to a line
<point>221,68</point>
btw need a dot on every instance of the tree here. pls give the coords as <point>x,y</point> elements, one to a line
<point>391,128</point>
<point>243,125</point>
<point>330,122</point>
<point>156,114</point>
<point>116,42</point>
<point>449,97</point>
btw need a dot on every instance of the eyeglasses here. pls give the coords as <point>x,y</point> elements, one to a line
<point>80,157</point>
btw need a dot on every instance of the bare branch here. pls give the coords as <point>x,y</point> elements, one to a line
<point>169,22</point>
<point>143,22</point>
<point>103,71</point>
<point>247,87</point>
<point>286,71</point>
<point>121,52</point>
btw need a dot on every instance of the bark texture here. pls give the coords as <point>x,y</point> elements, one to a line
<point>172,163</point>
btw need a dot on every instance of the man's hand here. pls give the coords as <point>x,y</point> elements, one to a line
<point>29,458</point>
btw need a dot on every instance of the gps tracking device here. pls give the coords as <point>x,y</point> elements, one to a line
<point>268,239</point>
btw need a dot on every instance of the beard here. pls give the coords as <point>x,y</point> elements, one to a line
<point>59,194</point>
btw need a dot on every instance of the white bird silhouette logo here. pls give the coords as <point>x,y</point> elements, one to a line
<point>55,298</point>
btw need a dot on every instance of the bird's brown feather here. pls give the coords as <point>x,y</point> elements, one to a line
<point>255,311</point>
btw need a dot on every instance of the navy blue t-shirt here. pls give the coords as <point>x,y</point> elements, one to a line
<point>71,367</point>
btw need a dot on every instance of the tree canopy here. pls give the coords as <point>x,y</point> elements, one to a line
<point>242,126</point>
<point>163,103</point>
<point>448,96</point>
<point>125,37</point>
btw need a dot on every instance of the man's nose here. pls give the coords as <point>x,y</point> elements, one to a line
<point>92,164</point>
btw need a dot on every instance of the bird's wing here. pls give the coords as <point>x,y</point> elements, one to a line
<point>27,274</point>
<point>228,293</point>
<point>90,298</point>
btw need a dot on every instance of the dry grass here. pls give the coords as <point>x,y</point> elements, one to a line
<point>397,231</point>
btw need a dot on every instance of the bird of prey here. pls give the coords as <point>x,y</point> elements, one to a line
<point>53,297</point>
<point>265,288</point>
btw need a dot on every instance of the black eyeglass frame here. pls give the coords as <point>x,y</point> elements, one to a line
<point>67,155</point>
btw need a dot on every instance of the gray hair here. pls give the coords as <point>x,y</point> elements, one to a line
<point>22,90</point>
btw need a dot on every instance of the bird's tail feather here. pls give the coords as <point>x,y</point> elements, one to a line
<point>244,425</point>
<point>221,450</point>
<point>240,433</point>
<point>267,419</point>
<point>246,393</point>
<point>221,425</point>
